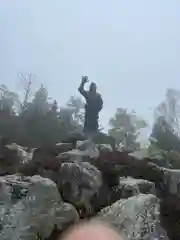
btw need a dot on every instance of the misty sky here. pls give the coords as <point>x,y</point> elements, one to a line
<point>131,48</point>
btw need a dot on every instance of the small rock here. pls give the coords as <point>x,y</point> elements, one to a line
<point>129,187</point>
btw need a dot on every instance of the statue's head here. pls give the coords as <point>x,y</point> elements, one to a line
<point>92,87</point>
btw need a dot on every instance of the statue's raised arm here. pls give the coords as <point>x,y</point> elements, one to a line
<point>81,87</point>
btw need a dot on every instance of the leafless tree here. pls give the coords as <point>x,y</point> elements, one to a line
<point>169,109</point>
<point>26,81</point>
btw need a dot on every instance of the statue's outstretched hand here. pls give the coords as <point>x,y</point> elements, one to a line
<point>84,79</point>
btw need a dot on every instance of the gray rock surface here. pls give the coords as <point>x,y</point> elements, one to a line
<point>83,180</point>
<point>135,218</point>
<point>31,206</point>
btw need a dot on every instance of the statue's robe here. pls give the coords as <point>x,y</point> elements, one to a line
<point>94,104</point>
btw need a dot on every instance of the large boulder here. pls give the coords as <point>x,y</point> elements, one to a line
<point>135,218</point>
<point>79,182</point>
<point>31,207</point>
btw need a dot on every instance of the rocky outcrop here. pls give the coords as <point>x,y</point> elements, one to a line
<point>58,185</point>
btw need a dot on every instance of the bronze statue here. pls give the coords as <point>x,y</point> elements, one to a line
<point>93,106</point>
